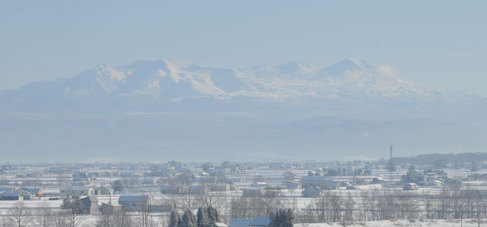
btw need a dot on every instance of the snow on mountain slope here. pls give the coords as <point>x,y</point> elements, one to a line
<point>146,78</point>
<point>155,83</point>
<point>349,79</point>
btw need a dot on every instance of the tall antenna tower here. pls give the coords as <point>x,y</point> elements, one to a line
<point>390,166</point>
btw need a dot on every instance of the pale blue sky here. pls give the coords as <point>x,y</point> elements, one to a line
<point>438,43</point>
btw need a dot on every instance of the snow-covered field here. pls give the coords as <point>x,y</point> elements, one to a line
<point>436,223</point>
<point>158,221</point>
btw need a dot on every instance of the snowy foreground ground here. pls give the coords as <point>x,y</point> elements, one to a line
<point>439,223</point>
<point>87,221</point>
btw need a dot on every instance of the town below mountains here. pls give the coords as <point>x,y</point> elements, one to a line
<point>399,191</point>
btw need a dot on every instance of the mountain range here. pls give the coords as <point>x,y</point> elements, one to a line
<point>154,85</point>
<point>159,110</point>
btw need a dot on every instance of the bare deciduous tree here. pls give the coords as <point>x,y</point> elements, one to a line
<point>45,215</point>
<point>19,215</point>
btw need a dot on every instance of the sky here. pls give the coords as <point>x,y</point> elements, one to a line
<point>438,43</point>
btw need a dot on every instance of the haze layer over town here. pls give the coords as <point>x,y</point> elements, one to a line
<point>243,113</point>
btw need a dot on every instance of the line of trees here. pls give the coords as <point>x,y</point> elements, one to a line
<point>392,205</point>
<point>373,205</point>
<point>253,206</point>
<point>329,207</point>
<point>19,215</point>
<point>72,214</point>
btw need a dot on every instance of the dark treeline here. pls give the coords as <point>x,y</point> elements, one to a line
<point>441,160</point>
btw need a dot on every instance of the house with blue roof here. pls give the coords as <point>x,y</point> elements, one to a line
<point>262,221</point>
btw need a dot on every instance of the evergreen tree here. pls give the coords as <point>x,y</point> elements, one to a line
<point>202,218</point>
<point>282,218</point>
<point>212,215</point>
<point>175,219</point>
<point>188,219</point>
<point>180,221</point>
<point>74,205</point>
